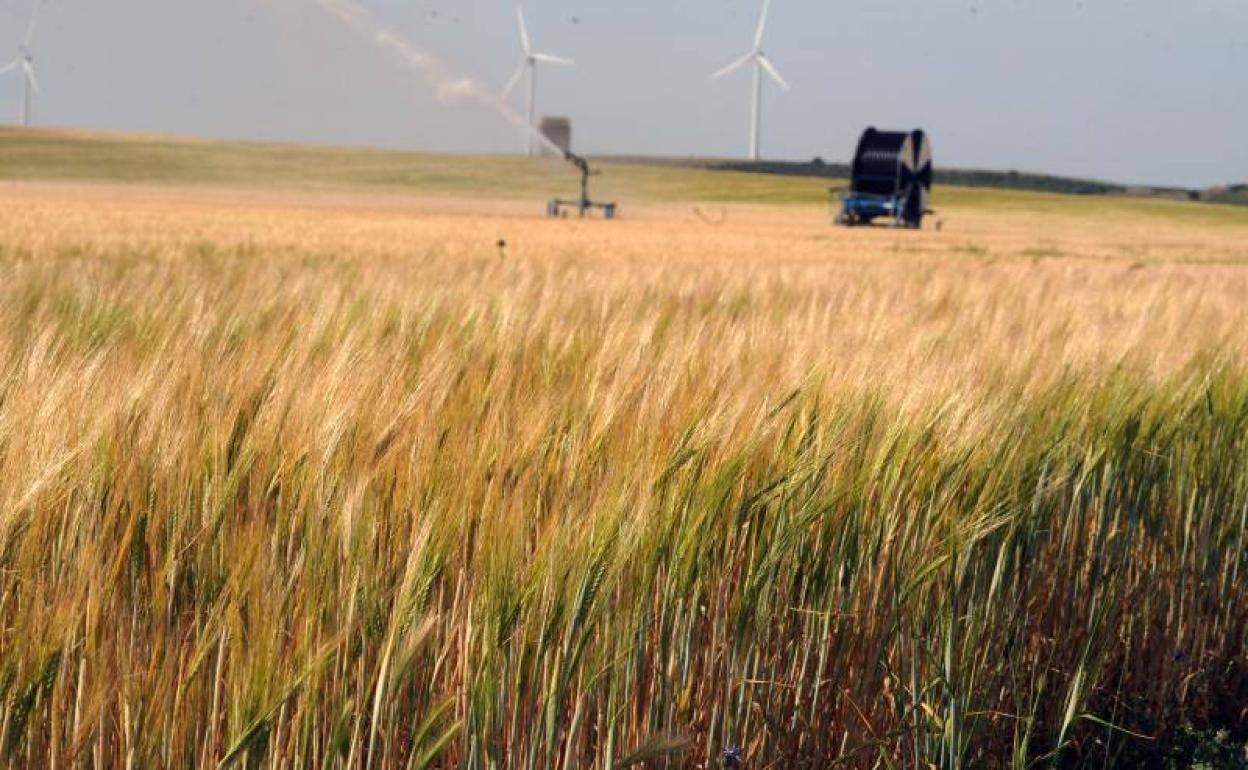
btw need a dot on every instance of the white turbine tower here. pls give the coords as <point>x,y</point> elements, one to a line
<point>528,65</point>
<point>25,63</point>
<point>761,64</point>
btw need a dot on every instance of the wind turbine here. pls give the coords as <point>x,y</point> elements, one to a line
<point>528,65</point>
<point>25,62</point>
<point>761,64</point>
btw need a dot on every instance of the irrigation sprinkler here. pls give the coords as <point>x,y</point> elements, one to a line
<point>584,206</point>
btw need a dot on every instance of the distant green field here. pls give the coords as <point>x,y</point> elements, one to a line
<point>53,155</point>
<point>92,157</point>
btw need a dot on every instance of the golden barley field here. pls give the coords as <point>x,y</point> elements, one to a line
<point>321,476</point>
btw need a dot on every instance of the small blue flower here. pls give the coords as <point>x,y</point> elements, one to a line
<point>731,757</point>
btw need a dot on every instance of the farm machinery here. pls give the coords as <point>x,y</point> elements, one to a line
<point>584,206</point>
<point>891,179</point>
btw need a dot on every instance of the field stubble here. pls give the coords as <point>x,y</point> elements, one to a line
<point>330,480</point>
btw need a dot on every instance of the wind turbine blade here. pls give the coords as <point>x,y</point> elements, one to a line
<point>10,67</point>
<point>775,74</point>
<point>34,21</point>
<point>736,65</point>
<point>524,32</point>
<point>546,58</point>
<point>762,25</point>
<point>30,76</point>
<point>515,79</point>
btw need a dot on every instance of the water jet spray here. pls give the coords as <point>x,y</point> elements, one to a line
<point>446,84</point>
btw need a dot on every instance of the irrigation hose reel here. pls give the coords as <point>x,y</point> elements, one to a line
<point>891,179</point>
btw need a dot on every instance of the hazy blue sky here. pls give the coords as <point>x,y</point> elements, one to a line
<point>1131,90</point>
